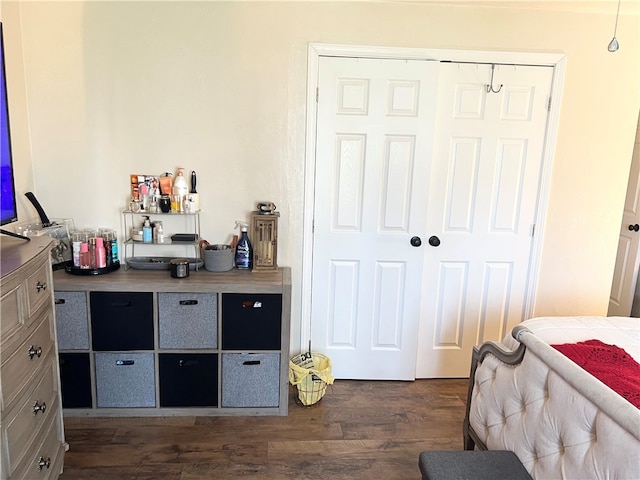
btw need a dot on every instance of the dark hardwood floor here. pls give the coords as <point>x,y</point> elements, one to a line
<point>359,430</point>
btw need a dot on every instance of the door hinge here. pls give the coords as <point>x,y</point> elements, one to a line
<point>533,230</point>
<point>313,226</point>
<point>549,104</point>
<point>317,94</point>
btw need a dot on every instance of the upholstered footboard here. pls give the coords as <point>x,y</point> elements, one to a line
<point>558,419</point>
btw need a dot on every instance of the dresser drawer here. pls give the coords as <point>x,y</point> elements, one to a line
<point>72,323</point>
<point>38,289</point>
<point>21,366</point>
<point>44,460</point>
<point>11,316</point>
<point>187,320</point>
<point>25,423</point>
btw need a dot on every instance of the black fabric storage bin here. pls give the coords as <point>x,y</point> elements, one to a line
<point>122,321</point>
<point>251,321</point>
<point>188,380</point>
<point>75,379</point>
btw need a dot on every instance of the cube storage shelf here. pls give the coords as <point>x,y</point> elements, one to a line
<point>140,343</point>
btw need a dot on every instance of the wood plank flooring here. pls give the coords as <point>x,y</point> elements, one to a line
<point>359,430</point>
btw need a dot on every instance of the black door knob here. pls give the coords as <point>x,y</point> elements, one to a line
<point>416,241</point>
<point>634,228</point>
<point>434,241</point>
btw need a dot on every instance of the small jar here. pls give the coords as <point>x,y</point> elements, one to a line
<point>176,203</point>
<point>135,205</point>
<point>179,268</point>
<point>165,203</point>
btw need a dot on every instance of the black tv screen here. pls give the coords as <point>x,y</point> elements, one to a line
<point>9,211</point>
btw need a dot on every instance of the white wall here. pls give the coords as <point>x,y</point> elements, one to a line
<point>115,88</point>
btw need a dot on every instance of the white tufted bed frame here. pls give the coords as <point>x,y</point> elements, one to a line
<point>561,422</point>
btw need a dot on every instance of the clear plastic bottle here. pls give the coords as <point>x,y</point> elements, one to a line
<point>180,187</point>
<point>158,233</point>
<point>244,250</point>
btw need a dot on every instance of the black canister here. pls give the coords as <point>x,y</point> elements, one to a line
<point>179,268</point>
<point>165,203</point>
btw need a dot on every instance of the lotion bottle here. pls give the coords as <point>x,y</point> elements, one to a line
<point>101,254</point>
<point>92,252</point>
<point>84,256</point>
<point>180,187</point>
<point>244,250</point>
<point>114,248</point>
<point>147,236</point>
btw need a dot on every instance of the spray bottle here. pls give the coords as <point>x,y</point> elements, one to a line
<point>244,250</point>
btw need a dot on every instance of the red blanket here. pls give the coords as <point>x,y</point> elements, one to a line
<point>608,363</point>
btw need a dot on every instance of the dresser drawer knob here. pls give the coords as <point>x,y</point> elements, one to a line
<point>34,352</point>
<point>37,407</point>
<point>41,286</point>
<point>42,463</point>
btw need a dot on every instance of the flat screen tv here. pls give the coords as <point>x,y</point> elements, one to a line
<point>8,205</point>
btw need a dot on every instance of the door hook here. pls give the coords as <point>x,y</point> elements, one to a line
<point>490,86</point>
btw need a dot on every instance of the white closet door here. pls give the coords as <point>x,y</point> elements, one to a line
<point>483,195</point>
<point>374,144</point>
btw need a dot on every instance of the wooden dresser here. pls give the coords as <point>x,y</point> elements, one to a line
<point>32,434</point>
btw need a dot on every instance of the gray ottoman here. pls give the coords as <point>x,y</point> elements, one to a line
<point>472,465</point>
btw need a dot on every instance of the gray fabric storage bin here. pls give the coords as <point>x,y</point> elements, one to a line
<point>72,323</point>
<point>218,260</point>
<point>250,379</point>
<point>125,380</point>
<point>188,320</point>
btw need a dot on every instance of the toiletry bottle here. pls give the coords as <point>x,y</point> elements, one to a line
<point>107,247</point>
<point>147,236</point>
<point>180,187</point>
<point>84,256</point>
<point>101,254</point>
<point>105,233</point>
<point>76,241</point>
<point>92,252</point>
<point>244,250</point>
<point>114,247</point>
<point>159,233</point>
<point>166,184</point>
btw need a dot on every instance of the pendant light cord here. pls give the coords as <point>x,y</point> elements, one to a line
<point>615,28</point>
